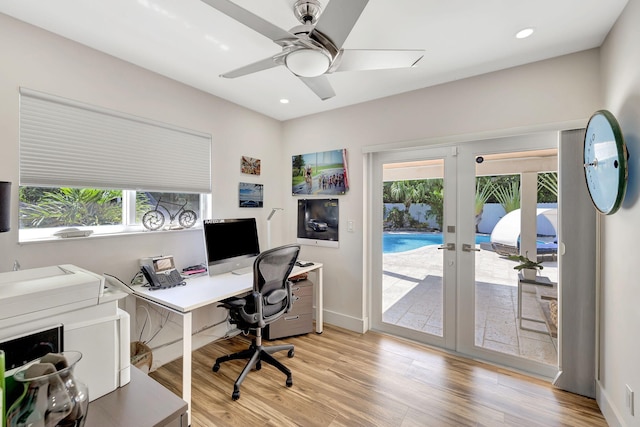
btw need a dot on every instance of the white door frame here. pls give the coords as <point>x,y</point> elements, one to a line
<point>463,311</point>
<point>447,153</point>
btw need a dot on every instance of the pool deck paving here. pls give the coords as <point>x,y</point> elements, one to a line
<point>412,297</point>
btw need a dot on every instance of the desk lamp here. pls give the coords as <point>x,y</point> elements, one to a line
<point>273,211</point>
<point>5,206</point>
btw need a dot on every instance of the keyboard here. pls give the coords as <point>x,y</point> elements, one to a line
<point>245,270</point>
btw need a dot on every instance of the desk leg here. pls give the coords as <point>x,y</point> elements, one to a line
<point>319,308</point>
<point>186,362</point>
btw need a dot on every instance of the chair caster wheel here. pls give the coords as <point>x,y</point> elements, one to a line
<point>216,367</point>
<point>235,395</point>
<point>258,366</point>
<point>290,353</point>
<point>289,382</point>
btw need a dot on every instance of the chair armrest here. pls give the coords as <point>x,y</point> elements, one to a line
<point>233,303</point>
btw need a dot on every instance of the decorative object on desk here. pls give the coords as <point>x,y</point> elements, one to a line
<point>250,195</point>
<point>53,396</point>
<point>528,267</point>
<point>5,206</point>
<point>320,173</point>
<point>249,165</point>
<point>605,162</point>
<point>154,219</point>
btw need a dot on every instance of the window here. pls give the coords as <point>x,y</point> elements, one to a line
<point>83,165</point>
<point>43,211</point>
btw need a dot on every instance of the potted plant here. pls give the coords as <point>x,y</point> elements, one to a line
<point>528,267</point>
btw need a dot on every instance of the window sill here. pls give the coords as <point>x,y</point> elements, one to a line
<point>51,238</point>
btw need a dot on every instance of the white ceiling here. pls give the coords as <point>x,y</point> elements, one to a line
<point>190,42</point>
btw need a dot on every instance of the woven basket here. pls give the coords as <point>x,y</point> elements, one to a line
<point>553,312</point>
<point>141,356</point>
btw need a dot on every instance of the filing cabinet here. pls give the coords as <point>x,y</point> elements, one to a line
<point>299,320</point>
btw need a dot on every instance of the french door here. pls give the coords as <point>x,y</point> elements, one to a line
<point>452,289</point>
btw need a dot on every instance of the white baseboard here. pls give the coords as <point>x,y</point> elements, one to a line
<point>607,408</point>
<point>347,322</point>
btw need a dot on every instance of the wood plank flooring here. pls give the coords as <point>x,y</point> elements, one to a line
<point>341,378</point>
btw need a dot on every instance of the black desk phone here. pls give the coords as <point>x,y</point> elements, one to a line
<point>162,280</point>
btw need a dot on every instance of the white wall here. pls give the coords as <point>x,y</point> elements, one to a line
<point>42,61</point>
<point>526,97</point>
<point>620,290</point>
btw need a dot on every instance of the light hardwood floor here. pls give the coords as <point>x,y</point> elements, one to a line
<point>341,378</point>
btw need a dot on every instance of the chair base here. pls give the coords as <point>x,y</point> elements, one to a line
<point>257,354</point>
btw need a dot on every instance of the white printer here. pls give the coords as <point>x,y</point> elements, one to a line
<point>72,298</point>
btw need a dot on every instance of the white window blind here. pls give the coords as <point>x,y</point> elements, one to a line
<point>64,143</point>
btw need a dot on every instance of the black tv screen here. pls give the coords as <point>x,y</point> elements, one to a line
<point>318,222</point>
<point>230,242</point>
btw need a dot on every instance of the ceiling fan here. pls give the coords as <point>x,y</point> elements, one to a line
<point>314,49</point>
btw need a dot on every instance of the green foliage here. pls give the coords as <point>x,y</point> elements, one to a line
<point>484,190</point>
<point>508,196</point>
<point>525,262</point>
<point>408,192</point>
<point>548,187</point>
<point>70,207</point>
<point>396,218</point>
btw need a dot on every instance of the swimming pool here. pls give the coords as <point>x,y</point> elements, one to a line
<point>401,242</point>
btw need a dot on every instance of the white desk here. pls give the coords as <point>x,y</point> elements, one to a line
<point>206,290</point>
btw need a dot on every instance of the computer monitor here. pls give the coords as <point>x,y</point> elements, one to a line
<point>230,244</point>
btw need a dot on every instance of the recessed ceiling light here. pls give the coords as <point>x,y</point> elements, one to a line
<point>523,34</point>
<point>284,101</point>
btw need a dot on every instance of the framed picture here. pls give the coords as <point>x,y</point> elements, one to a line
<point>322,173</point>
<point>249,165</point>
<point>251,195</point>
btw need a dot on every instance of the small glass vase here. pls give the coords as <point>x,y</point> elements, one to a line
<point>53,397</point>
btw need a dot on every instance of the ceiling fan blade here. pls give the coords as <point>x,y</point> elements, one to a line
<point>320,86</point>
<point>338,18</point>
<point>249,19</point>
<point>358,60</point>
<point>263,64</point>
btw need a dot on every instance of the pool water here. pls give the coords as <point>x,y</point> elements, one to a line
<point>401,242</point>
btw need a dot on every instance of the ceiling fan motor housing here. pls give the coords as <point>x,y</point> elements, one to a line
<point>307,11</point>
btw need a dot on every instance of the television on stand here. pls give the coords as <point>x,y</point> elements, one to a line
<point>318,222</point>
<point>231,245</point>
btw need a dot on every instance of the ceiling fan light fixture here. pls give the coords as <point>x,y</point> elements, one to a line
<point>308,62</point>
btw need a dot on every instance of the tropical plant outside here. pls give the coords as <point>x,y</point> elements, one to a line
<point>73,207</point>
<point>508,196</point>
<point>504,190</point>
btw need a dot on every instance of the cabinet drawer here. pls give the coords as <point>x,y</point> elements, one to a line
<point>304,287</point>
<point>301,305</point>
<point>289,325</point>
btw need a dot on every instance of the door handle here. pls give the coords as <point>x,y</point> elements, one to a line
<point>448,246</point>
<point>466,247</point>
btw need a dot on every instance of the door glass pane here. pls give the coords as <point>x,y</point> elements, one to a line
<point>516,210</point>
<point>412,283</point>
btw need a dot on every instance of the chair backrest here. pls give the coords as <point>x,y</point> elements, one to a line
<point>271,271</point>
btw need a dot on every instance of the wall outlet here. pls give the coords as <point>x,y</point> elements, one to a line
<point>350,226</point>
<point>629,398</point>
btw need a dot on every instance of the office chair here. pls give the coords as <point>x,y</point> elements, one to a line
<point>270,299</point>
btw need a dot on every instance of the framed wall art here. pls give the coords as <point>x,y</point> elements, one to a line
<point>251,195</point>
<point>322,173</point>
<point>249,165</point>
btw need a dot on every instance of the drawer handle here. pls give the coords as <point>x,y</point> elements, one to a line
<point>292,318</point>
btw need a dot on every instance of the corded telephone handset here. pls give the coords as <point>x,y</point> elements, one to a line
<point>162,281</point>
